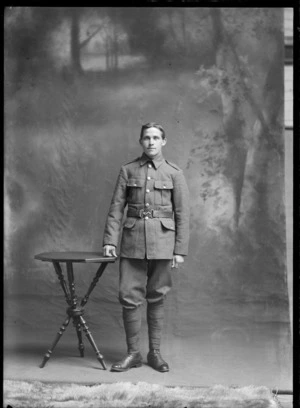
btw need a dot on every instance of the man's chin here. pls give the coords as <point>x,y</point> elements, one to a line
<point>151,153</point>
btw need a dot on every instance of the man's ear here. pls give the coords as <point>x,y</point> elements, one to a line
<point>164,142</point>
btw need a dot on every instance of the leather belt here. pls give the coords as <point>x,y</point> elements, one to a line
<point>150,213</point>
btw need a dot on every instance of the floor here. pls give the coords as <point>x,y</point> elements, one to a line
<point>285,401</point>
<point>24,352</point>
<point>66,366</point>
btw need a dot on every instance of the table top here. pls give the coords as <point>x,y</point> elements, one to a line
<point>67,256</point>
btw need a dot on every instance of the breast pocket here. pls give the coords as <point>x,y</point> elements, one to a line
<point>134,190</point>
<point>163,192</point>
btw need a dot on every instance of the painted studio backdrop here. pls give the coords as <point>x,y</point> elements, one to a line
<point>79,83</point>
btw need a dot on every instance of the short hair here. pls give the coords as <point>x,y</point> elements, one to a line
<point>155,125</point>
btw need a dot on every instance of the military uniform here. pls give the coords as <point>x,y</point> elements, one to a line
<point>157,222</point>
<point>155,227</point>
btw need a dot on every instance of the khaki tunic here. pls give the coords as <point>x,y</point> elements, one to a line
<point>149,184</point>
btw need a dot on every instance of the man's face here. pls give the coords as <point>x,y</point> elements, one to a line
<point>152,142</point>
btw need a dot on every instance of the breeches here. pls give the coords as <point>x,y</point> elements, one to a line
<point>142,279</point>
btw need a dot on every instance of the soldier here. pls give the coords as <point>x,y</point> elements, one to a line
<point>154,240</point>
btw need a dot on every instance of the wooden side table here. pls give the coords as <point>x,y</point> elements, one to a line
<point>75,309</point>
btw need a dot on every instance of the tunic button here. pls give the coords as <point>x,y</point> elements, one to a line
<point>147,191</point>
<point>135,184</point>
<point>147,204</point>
<point>146,218</point>
<point>149,165</point>
<point>148,178</point>
<point>164,186</point>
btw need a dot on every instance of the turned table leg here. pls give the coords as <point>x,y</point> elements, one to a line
<point>91,340</point>
<point>73,310</point>
<point>70,274</point>
<point>57,338</point>
<point>93,284</point>
<point>62,281</point>
<point>77,324</point>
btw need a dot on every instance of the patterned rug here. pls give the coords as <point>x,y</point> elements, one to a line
<point>21,394</point>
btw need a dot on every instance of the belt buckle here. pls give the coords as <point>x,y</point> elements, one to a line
<point>146,213</point>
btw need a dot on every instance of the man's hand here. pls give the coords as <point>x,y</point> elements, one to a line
<point>109,250</point>
<point>177,259</point>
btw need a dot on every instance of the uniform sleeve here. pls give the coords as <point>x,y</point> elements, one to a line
<point>113,224</point>
<point>182,213</point>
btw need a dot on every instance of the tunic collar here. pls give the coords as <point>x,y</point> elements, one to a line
<point>157,161</point>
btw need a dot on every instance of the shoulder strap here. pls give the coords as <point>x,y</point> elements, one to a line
<point>132,161</point>
<point>173,165</point>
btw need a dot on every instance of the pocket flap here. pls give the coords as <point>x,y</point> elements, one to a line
<point>164,185</point>
<point>130,222</point>
<point>168,223</point>
<point>135,182</point>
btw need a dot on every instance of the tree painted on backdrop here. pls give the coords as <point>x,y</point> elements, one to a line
<point>236,165</point>
<point>29,31</point>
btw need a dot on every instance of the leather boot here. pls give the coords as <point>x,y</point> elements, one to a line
<point>156,361</point>
<point>131,360</point>
<point>155,320</point>
<point>132,326</point>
